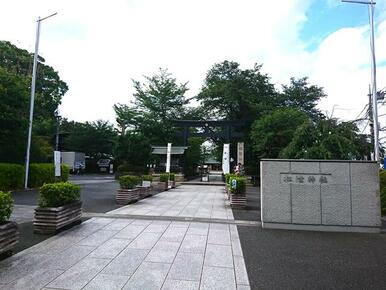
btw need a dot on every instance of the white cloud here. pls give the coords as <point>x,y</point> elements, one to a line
<point>98,46</point>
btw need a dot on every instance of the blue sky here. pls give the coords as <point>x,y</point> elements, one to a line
<point>324,18</point>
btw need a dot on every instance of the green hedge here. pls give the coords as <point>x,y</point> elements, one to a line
<point>58,194</point>
<point>382,183</point>
<point>172,176</point>
<point>40,173</point>
<point>11,176</point>
<point>241,185</point>
<point>164,177</point>
<point>228,176</point>
<point>6,205</point>
<point>147,177</point>
<point>129,181</point>
<point>131,168</point>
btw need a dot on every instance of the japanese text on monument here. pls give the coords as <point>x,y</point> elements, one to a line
<point>306,179</point>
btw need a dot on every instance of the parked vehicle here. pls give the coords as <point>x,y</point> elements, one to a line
<point>75,160</point>
<point>104,164</point>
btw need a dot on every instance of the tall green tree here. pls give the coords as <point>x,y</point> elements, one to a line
<point>126,117</point>
<point>133,148</point>
<point>232,93</point>
<point>299,94</point>
<point>273,132</point>
<point>158,100</point>
<point>96,139</point>
<point>15,80</point>
<point>327,139</point>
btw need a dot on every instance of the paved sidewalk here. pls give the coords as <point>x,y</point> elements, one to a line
<point>131,254</point>
<point>128,253</point>
<point>184,201</point>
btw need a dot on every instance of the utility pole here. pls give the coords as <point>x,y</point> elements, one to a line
<point>31,110</point>
<point>371,5</point>
<point>371,123</point>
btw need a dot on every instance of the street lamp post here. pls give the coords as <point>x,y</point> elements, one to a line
<point>371,5</point>
<point>33,82</point>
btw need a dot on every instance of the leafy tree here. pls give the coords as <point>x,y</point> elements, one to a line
<point>327,139</point>
<point>194,155</point>
<point>15,80</point>
<point>273,132</point>
<point>126,117</point>
<point>158,101</point>
<point>96,139</point>
<point>232,93</point>
<point>160,97</point>
<point>302,96</point>
<point>133,148</point>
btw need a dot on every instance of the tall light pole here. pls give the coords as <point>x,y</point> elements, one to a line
<point>371,6</point>
<point>31,110</point>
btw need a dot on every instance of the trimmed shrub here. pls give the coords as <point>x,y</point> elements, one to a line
<point>172,176</point>
<point>383,201</point>
<point>130,168</point>
<point>11,176</point>
<point>40,173</point>
<point>228,176</point>
<point>6,205</point>
<point>382,183</point>
<point>147,177</point>
<point>58,194</point>
<point>129,181</point>
<point>241,183</point>
<point>382,178</point>
<point>164,177</point>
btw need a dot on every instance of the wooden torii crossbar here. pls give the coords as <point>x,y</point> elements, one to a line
<point>208,129</point>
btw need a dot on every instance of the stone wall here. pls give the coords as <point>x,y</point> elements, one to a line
<point>320,195</point>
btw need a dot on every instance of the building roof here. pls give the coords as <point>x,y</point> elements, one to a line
<point>162,150</point>
<point>212,161</point>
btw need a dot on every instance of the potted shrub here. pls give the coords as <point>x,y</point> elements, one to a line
<point>146,185</point>
<point>9,235</point>
<point>164,180</point>
<point>128,191</point>
<point>237,188</point>
<point>172,180</point>
<point>228,177</point>
<point>59,206</point>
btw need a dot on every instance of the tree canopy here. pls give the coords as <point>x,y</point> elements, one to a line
<point>96,139</point>
<point>273,132</point>
<point>327,139</point>
<point>232,93</point>
<point>15,80</point>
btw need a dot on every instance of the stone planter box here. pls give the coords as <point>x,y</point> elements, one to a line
<point>172,184</point>
<point>126,196</point>
<point>163,186</point>
<point>238,200</point>
<point>9,236</point>
<point>144,191</point>
<point>228,192</point>
<point>49,220</point>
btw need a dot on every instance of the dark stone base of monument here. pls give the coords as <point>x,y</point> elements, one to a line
<point>49,220</point>
<point>238,200</point>
<point>9,237</point>
<point>126,196</point>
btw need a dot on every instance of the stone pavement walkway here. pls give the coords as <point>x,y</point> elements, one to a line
<point>184,201</point>
<point>121,253</point>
